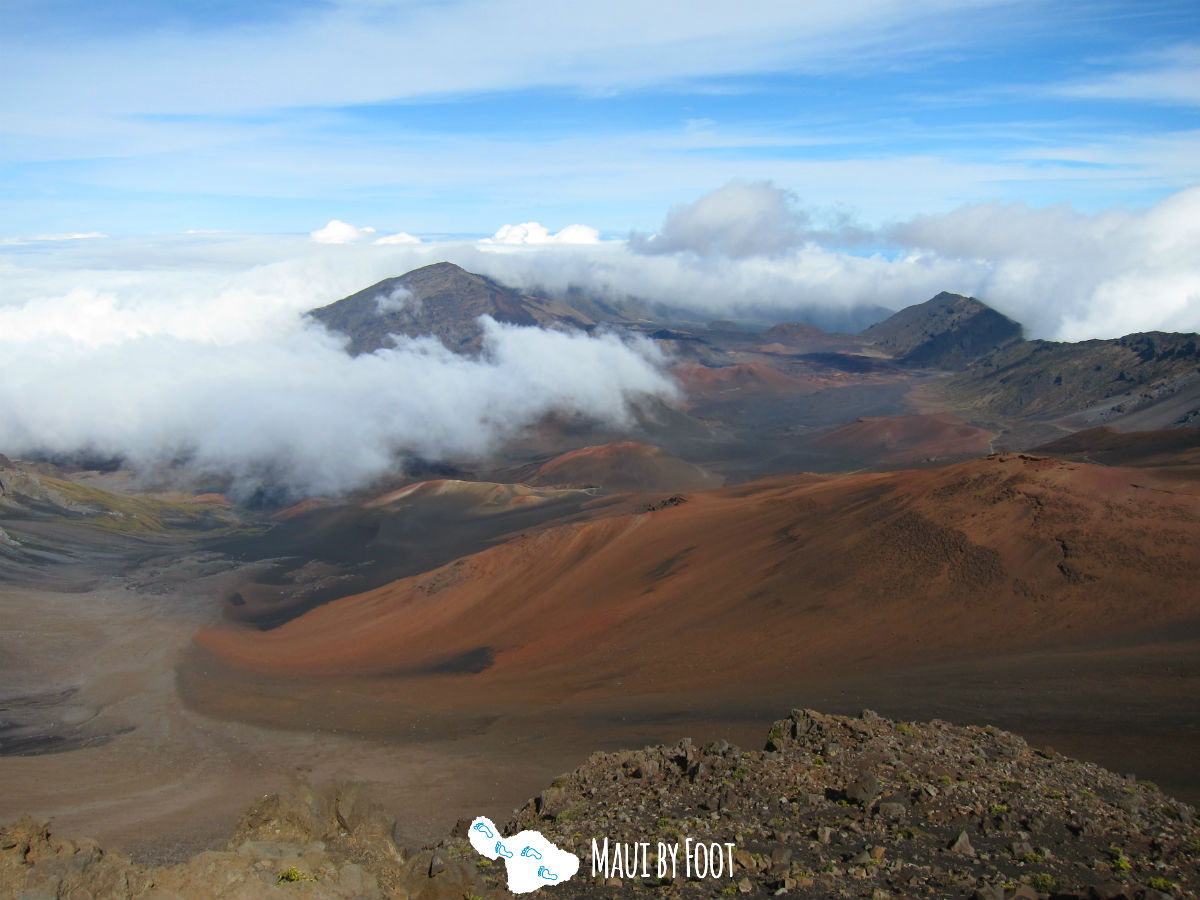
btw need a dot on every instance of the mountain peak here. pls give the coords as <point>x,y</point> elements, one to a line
<point>443,300</point>
<point>947,331</point>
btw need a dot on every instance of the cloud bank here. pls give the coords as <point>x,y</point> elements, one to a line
<point>296,412</point>
<point>1064,274</point>
<point>1070,275</point>
<point>195,347</point>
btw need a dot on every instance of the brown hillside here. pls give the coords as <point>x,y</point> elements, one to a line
<point>773,580</point>
<point>1105,445</point>
<point>894,440</point>
<point>624,466</point>
<point>742,377</point>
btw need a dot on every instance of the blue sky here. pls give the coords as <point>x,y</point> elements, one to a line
<point>455,117</point>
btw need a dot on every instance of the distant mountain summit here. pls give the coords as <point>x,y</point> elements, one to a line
<point>443,300</point>
<point>946,332</point>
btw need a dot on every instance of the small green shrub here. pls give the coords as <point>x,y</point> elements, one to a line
<point>1042,882</point>
<point>292,874</point>
<point>569,815</point>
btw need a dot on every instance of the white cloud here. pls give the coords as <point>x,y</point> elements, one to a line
<point>396,300</point>
<point>536,233</point>
<point>399,237</point>
<point>339,232</point>
<point>758,287</point>
<point>1073,275</point>
<point>292,408</point>
<point>577,234</point>
<point>735,221</point>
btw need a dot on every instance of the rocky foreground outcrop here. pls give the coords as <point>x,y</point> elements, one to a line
<point>866,807</point>
<point>832,807</point>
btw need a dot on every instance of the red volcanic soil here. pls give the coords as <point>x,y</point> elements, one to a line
<point>798,333</point>
<point>896,440</point>
<point>303,507</point>
<point>790,337</point>
<point>213,500</point>
<point>482,497</point>
<point>624,466</point>
<point>770,583</point>
<point>745,377</point>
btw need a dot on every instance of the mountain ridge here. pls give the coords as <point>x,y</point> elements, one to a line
<point>441,299</point>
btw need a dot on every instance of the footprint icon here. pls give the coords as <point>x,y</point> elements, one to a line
<point>504,851</point>
<point>530,852</point>
<point>483,829</point>
<point>545,873</point>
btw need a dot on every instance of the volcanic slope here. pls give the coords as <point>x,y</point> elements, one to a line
<point>442,300</point>
<point>623,466</point>
<point>894,440</point>
<point>1175,447</point>
<point>776,580</point>
<point>320,549</point>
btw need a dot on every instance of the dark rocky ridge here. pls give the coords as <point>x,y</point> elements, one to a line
<point>1047,378</point>
<point>832,807</point>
